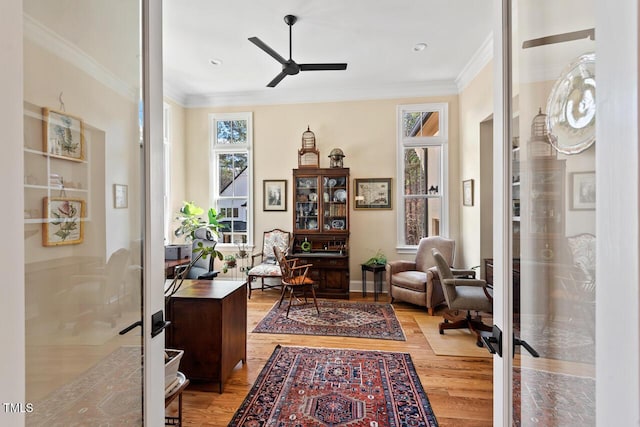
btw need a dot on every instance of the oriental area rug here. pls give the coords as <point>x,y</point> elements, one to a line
<point>302,386</point>
<point>553,399</point>
<point>109,393</point>
<point>336,318</point>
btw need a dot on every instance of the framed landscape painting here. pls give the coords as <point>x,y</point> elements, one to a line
<point>372,193</point>
<point>63,223</point>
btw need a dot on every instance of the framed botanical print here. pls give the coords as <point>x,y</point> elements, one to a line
<point>63,135</point>
<point>63,222</point>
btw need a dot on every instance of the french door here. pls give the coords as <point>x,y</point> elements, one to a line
<point>547,166</point>
<point>92,105</point>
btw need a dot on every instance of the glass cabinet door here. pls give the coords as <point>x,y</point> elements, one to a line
<point>306,203</point>
<point>335,197</point>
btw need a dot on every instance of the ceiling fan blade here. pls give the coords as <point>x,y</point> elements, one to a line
<point>262,45</point>
<point>277,79</point>
<point>321,67</point>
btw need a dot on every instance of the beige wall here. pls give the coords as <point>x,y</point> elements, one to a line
<point>364,130</point>
<point>178,163</point>
<point>476,106</point>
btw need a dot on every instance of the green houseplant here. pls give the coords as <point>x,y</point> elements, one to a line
<point>191,219</point>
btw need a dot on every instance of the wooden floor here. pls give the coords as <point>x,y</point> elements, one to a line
<point>459,389</point>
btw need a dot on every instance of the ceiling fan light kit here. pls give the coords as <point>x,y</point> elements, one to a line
<point>289,66</point>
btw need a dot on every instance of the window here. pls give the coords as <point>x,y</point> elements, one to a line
<point>422,172</point>
<point>232,177</point>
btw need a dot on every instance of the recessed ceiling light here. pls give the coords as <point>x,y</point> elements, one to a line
<point>215,61</point>
<point>419,47</point>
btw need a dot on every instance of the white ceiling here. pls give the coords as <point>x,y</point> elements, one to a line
<point>375,38</point>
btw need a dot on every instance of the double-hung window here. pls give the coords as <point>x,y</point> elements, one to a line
<point>422,172</point>
<point>231,141</point>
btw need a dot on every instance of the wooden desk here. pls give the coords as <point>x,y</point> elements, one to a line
<point>171,264</point>
<point>209,322</point>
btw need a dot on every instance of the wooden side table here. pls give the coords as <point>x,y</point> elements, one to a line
<point>377,270</point>
<point>175,421</point>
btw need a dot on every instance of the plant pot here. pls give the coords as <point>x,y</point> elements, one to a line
<point>171,364</point>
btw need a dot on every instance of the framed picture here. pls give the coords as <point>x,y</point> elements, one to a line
<point>372,193</point>
<point>467,192</point>
<point>275,195</point>
<point>583,190</point>
<point>63,135</point>
<point>63,223</point>
<point>120,196</point>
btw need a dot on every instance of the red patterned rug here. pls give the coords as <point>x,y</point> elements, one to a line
<point>301,386</point>
<point>337,318</point>
<point>108,394</point>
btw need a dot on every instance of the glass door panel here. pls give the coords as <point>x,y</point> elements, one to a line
<point>83,214</point>
<point>553,199</point>
<point>335,197</point>
<point>306,203</point>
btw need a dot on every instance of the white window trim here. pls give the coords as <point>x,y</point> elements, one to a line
<point>442,141</point>
<point>216,149</point>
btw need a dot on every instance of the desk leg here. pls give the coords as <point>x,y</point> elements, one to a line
<point>364,282</point>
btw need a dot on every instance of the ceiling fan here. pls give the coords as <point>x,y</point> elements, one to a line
<point>289,66</point>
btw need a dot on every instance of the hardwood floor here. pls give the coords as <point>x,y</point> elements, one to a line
<point>459,389</point>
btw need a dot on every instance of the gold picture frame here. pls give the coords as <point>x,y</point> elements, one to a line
<point>63,135</point>
<point>63,222</point>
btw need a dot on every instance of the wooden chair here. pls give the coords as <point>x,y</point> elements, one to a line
<point>295,280</point>
<point>264,264</point>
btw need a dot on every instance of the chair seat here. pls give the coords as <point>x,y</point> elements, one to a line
<point>300,280</point>
<point>472,298</point>
<point>265,270</point>
<point>412,280</point>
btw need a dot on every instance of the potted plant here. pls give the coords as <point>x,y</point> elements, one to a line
<point>378,259</point>
<point>229,262</point>
<point>190,217</point>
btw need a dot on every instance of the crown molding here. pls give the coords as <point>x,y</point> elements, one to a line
<point>297,96</point>
<point>173,94</point>
<point>51,41</point>
<point>478,61</point>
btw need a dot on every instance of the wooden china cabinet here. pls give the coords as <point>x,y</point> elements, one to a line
<point>321,227</point>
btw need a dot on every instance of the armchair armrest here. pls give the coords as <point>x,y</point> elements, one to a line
<point>458,281</point>
<point>464,272</point>
<point>400,266</point>
<point>208,276</point>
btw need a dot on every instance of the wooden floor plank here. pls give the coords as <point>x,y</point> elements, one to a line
<point>459,389</point>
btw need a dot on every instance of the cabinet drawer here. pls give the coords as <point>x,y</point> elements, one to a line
<point>329,262</point>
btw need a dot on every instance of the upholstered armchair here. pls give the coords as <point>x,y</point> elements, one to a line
<point>417,281</point>
<point>264,264</point>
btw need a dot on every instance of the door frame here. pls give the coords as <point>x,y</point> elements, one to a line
<point>617,228</point>
<point>12,311</point>
<point>153,253</point>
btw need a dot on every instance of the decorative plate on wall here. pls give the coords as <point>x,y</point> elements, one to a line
<point>571,107</point>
